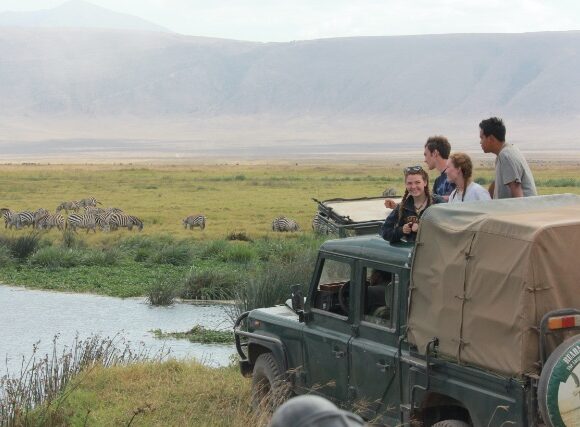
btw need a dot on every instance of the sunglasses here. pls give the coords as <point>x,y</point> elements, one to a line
<point>412,169</point>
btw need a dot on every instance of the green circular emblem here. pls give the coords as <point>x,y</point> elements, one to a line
<point>559,386</point>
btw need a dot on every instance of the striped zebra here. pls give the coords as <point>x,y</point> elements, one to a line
<point>21,219</point>
<point>48,221</point>
<point>7,214</point>
<point>283,224</point>
<point>194,221</point>
<point>68,206</point>
<point>86,221</point>
<point>121,220</point>
<point>89,201</point>
<point>322,225</point>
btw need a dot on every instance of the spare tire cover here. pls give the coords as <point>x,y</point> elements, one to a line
<point>559,385</point>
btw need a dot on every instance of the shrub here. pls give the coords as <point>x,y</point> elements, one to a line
<point>162,292</point>
<point>209,283</point>
<point>481,180</point>
<point>241,253</point>
<point>55,257</point>
<point>24,246</point>
<point>106,257</point>
<point>5,256</point>
<point>238,235</point>
<point>71,240</point>
<point>177,254</point>
<point>213,250</point>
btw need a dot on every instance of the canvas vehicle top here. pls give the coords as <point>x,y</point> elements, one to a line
<point>484,275</point>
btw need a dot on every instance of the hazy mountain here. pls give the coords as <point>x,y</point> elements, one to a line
<point>77,13</point>
<point>85,85</point>
<point>146,73</point>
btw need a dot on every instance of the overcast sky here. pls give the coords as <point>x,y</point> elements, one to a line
<point>277,20</point>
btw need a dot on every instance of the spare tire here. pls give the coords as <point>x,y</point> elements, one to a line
<point>559,385</point>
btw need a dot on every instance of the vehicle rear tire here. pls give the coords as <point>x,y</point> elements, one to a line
<point>451,423</point>
<point>269,386</point>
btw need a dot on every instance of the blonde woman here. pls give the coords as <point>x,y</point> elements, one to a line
<point>459,171</point>
<point>403,222</point>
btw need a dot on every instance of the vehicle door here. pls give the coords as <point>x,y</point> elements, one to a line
<point>373,350</point>
<point>327,328</point>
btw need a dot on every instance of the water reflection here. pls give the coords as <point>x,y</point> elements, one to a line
<point>28,316</point>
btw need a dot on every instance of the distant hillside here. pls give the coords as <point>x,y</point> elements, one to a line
<point>77,13</point>
<point>102,72</point>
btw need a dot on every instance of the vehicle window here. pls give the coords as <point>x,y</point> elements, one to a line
<point>332,292</point>
<point>379,296</point>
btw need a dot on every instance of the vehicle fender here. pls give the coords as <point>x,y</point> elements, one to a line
<point>257,346</point>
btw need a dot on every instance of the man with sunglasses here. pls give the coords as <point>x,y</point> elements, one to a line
<point>513,177</point>
<point>436,152</point>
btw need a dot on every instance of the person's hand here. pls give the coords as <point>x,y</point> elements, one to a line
<point>415,227</point>
<point>390,204</point>
<point>407,228</point>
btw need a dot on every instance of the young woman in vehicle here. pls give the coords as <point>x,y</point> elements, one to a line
<point>459,171</point>
<point>403,222</point>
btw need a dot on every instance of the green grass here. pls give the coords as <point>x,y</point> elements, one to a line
<point>199,334</point>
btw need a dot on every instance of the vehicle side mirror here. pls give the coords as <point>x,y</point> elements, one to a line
<point>297,299</point>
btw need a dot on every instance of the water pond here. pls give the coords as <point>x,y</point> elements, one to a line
<point>30,316</point>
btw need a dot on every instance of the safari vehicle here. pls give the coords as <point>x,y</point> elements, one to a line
<point>349,217</point>
<point>478,325</point>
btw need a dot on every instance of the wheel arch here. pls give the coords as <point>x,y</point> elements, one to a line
<point>255,348</point>
<point>436,407</point>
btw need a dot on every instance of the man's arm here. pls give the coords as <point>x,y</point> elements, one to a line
<point>516,189</point>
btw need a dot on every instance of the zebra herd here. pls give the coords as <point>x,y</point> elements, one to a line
<point>106,219</point>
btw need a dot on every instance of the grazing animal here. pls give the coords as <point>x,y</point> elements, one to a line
<point>7,214</point>
<point>320,225</point>
<point>121,220</point>
<point>68,206</point>
<point>20,219</point>
<point>283,224</point>
<point>390,192</point>
<point>86,221</point>
<point>194,221</point>
<point>49,221</point>
<point>89,201</point>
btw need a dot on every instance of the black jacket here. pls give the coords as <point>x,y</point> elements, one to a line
<point>392,229</point>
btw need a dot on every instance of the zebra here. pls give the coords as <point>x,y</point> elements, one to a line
<point>38,214</point>
<point>390,192</point>
<point>86,221</point>
<point>121,220</point>
<point>68,206</point>
<point>7,214</point>
<point>194,221</point>
<point>89,201</point>
<point>49,221</point>
<point>322,225</point>
<point>24,218</point>
<point>283,224</point>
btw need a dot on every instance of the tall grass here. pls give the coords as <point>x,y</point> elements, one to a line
<point>43,379</point>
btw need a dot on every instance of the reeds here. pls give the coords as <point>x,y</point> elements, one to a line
<point>42,380</point>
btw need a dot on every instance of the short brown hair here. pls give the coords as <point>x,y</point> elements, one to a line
<point>439,143</point>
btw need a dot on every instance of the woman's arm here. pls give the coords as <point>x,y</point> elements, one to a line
<point>391,231</point>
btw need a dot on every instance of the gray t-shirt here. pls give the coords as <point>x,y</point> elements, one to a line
<point>511,166</point>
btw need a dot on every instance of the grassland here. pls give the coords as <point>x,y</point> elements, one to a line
<point>239,201</point>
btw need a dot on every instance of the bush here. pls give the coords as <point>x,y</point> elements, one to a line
<point>238,235</point>
<point>213,250</point>
<point>241,253</point>
<point>209,283</point>
<point>71,240</point>
<point>22,247</point>
<point>5,256</point>
<point>106,257</point>
<point>162,292</point>
<point>55,257</point>
<point>177,254</point>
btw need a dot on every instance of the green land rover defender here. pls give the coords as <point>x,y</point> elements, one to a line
<point>476,324</point>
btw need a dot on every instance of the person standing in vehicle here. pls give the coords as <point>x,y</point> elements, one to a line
<point>403,221</point>
<point>513,177</point>
<point>459,171</point>
<point>436,153</point>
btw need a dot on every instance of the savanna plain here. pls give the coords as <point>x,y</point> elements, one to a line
<point>236,257</point>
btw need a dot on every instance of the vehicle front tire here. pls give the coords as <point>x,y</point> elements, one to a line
<point>269,386</point>
<point>451,423</point>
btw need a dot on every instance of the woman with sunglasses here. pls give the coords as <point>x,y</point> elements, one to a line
<point>459,170</point>
<point>403,221</point>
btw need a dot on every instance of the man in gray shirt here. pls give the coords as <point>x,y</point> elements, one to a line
<point>513,177</point>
